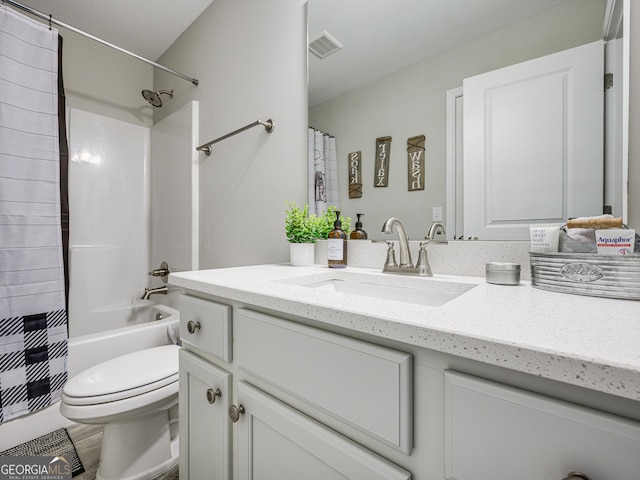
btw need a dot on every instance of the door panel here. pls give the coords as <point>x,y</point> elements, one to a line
<point>274,441</point>
<point>204,426</point>
<point>533,143</point>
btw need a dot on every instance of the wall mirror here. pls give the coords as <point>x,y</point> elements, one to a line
<point>398,61</point>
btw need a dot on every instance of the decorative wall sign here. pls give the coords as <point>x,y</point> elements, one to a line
<point>415,163</point>
<point>355,175</point>
<point>383,156</point>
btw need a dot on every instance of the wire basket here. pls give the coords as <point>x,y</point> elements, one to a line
<point>610,276</point>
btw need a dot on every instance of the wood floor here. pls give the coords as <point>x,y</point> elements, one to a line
<point>87,440</point>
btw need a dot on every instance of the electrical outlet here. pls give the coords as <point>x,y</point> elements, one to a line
<point>437,214</point>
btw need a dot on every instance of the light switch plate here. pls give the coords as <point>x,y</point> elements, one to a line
<point>437,214</point>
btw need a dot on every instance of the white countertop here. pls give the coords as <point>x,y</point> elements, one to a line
<point>585,341</point>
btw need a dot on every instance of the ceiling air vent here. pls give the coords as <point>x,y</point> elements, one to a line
<point>324,45</point>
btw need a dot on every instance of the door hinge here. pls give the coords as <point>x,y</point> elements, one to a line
<point>608,81</point>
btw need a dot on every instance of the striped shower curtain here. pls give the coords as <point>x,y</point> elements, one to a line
<point>323,172</point>
<point>33,217</point>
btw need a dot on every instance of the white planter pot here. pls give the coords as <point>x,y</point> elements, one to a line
<point>321,252</point>
<point>301,254</point>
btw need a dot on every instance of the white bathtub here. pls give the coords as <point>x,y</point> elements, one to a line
<point>88,350</point>
<point>144,332</point>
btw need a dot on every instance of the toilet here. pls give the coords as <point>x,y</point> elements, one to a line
<point>135,397</point>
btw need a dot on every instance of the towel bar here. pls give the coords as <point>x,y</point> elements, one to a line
<point>269,125</point>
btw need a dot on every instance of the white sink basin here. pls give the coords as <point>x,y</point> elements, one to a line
<point>422,291</point>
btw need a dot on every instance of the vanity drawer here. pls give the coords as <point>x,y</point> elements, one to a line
<point>496,431</point>
<point>365,385</point>
<point>205,326</point>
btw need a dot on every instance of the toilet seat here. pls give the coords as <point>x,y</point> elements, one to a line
<point>125,377</point>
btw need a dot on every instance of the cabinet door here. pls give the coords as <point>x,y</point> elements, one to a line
<point>274,441</point>
<point>204,425</point>
<point>493,431</point>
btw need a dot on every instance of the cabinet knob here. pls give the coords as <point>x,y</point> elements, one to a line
<point>192,326</point>
<point>212,394</point>
<point>576,476</point>
<point>235,412</point>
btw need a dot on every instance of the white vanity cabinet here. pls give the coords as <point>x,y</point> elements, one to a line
<point>276,396</point>
<point>231,429</point>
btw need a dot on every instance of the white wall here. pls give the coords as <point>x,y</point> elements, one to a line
<point>109,220</point>
<point>174,202</point>
<point>250,59</point>
<point>102,80</point>
<point>412,102</point>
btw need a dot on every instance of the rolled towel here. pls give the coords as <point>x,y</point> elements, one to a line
<point>602,221</point>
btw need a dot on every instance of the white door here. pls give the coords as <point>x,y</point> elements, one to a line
<point>533,143</point>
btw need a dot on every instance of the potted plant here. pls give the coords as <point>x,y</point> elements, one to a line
<point>302,231</point>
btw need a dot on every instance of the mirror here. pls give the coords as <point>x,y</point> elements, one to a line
<point>399,59</point>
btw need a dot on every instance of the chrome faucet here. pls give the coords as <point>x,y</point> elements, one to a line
<point>435,229</point>
<point>405,253</point>
<point>406,267</point>
<point>154,291</point>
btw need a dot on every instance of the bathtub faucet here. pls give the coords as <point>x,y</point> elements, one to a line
<point>153,291</point>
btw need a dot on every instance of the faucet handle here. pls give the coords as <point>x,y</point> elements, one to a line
<point>162,272</point>
<point>391,256</point>
<point>423,262</point>
<point>436,232</point>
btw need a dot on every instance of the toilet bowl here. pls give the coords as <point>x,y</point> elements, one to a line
<point>135,397</point>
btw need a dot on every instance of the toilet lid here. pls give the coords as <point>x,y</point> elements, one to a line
<point>131,374</point>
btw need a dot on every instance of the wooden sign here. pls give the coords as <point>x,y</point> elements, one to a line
<point>383,155</point>
<point>355,174</point>
<point>415,163</point>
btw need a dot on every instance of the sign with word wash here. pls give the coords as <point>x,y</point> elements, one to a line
<point>415,163</point>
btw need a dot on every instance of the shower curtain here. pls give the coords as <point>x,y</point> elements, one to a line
<point>323,172</point>
<point>33,217</point>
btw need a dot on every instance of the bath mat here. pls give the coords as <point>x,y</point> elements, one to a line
<point>54,444</point>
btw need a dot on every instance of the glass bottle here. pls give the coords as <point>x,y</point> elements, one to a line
<point>358,233</point>
<point>337,246</point>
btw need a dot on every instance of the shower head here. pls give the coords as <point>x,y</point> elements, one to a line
<point>154,97</point>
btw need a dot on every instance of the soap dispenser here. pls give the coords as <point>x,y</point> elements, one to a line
<point>358,233</point>
<point>337,246</point>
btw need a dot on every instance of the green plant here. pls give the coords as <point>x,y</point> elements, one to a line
<point>300,227</point>
<point>327,220</point>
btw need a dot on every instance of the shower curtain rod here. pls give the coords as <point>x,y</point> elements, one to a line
<point>50,19</point>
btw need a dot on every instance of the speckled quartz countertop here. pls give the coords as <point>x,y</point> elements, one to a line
<point>585,341</point>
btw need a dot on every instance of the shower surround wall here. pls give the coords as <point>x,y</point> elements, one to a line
<point>174,194</point>
<point>109,236</point>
